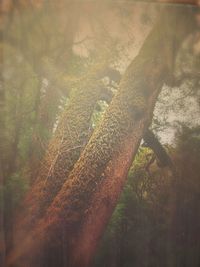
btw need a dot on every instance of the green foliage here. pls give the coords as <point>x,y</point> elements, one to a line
<point>15,187</point>
<point>156,220</point>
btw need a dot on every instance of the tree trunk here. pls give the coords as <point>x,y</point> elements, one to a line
<point>104,200</point>
<point>43,129</point>
<point>2,161</point>
<point>63,151</point>
<point>85,203</point>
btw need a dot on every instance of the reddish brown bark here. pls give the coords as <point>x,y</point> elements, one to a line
<point>64,149</point>
<point>105,199</point>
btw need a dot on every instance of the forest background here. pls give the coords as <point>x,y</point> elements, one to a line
<point>100,134</point>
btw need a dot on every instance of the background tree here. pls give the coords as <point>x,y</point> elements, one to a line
<point>143,221</point>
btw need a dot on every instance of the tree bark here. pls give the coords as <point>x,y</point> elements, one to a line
<point>104,200</point>
<point>85,203</point>
<point>71,136</point>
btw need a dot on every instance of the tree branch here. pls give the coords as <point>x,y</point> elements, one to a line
<point>151,141</point>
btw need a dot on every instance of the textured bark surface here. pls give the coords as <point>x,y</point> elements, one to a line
<point>107,195</point>
<point>64,149</point>
<point>87,198</point>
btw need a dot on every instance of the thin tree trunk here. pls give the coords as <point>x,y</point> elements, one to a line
<point>2,161</point>
<point>11,168</point>
<point>43,129</point>
<point>2,233</point>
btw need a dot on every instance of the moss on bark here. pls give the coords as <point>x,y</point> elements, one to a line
<point>63,151</point>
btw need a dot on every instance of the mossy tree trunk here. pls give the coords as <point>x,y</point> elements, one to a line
<point>171,29</point>
<point>83,206</point>
<point>71,135</point>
